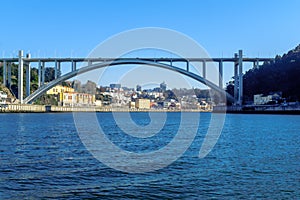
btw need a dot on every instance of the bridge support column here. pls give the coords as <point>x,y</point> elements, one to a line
<point>8,75</point>
<point>256,64</point>
<point>73,65</point>
<point>20,77</point>
<point>39,73</point>
<point>240,100</point>
<point>90,63</point>
<point>28,72</point>
<point>221,74</point>
<point>4,72</point>
<point>235,79</point>
<point>43,73</point>
<point>204,69</point>
<point>56,69</point>
<point>187,66</point>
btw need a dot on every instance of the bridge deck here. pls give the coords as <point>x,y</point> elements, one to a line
<point>147,59</point>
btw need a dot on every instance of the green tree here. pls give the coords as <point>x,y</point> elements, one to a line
<point>282,75</point>
<point>49,74</point>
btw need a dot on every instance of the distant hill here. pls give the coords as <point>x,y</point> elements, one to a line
<point>49,75</point>
<point>283,75</point>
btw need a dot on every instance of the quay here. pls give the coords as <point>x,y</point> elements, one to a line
<point>261,109</point>
<point>27,108</point>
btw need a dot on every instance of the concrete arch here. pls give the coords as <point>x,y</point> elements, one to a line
<point>88,68</point>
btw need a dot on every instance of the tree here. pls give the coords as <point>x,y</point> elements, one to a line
<point>279,76</point>
<point>169,94</point>
<point>49,74</point>
<point>230,88</point>
<point>34,75</point>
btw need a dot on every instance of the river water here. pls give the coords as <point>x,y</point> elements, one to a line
<point>256,156</point>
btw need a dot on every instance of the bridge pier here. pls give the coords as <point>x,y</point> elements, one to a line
<point>240,98</point>
<point>8,75</point>
<point>187,66</point>
<point>39,73</point>
<point>235,79</point>
<point>73,65</point>
<point>28,74</point>
<point>56,69</point>
<point>43,73</point>
<point>20,77</point>
<point>204,69</point>
<point>221,74</point>
<point>256,64</point>
<point>4,72</point>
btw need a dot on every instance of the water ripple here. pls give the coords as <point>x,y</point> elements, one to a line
<point>257,156</point>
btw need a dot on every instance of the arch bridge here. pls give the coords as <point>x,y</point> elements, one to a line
<point>96,63</point>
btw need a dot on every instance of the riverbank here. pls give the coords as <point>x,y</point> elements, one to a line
<point>24,108</point>
<point>262,109</point>
<point>275,112</point>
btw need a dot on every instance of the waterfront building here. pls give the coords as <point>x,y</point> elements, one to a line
<point>132,104</point>
<point>178,105</point>
<point>260,99</point>
<point>3,97</point>
<point>163,104</point>
<point>98,103</point>
<point>120,98</point>
<point>59,90</point>
<point>156,95</point>
<point>203,105</point>
<point>78,99</point>
<point>142,103</point>
<point>153,105</point>
<point>104,97</point>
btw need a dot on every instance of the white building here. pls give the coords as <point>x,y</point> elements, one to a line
<point>132,104</point>
<point>259,99</point>
<point>120,98</point>
<point>98,103</point>
<point>3,97</point>
<point>156,95</point>
<point>78,99</point>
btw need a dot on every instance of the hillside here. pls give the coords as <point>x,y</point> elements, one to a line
<point>7,91</point>
<point>281,75</point>
<point>49,75</point>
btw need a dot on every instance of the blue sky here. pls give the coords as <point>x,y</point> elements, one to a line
<point>74,28</point>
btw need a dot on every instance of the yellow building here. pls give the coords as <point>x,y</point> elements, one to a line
<point>142,103</point>
<point>60,90</point>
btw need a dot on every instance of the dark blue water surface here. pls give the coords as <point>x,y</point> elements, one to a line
<point>256,156</point>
